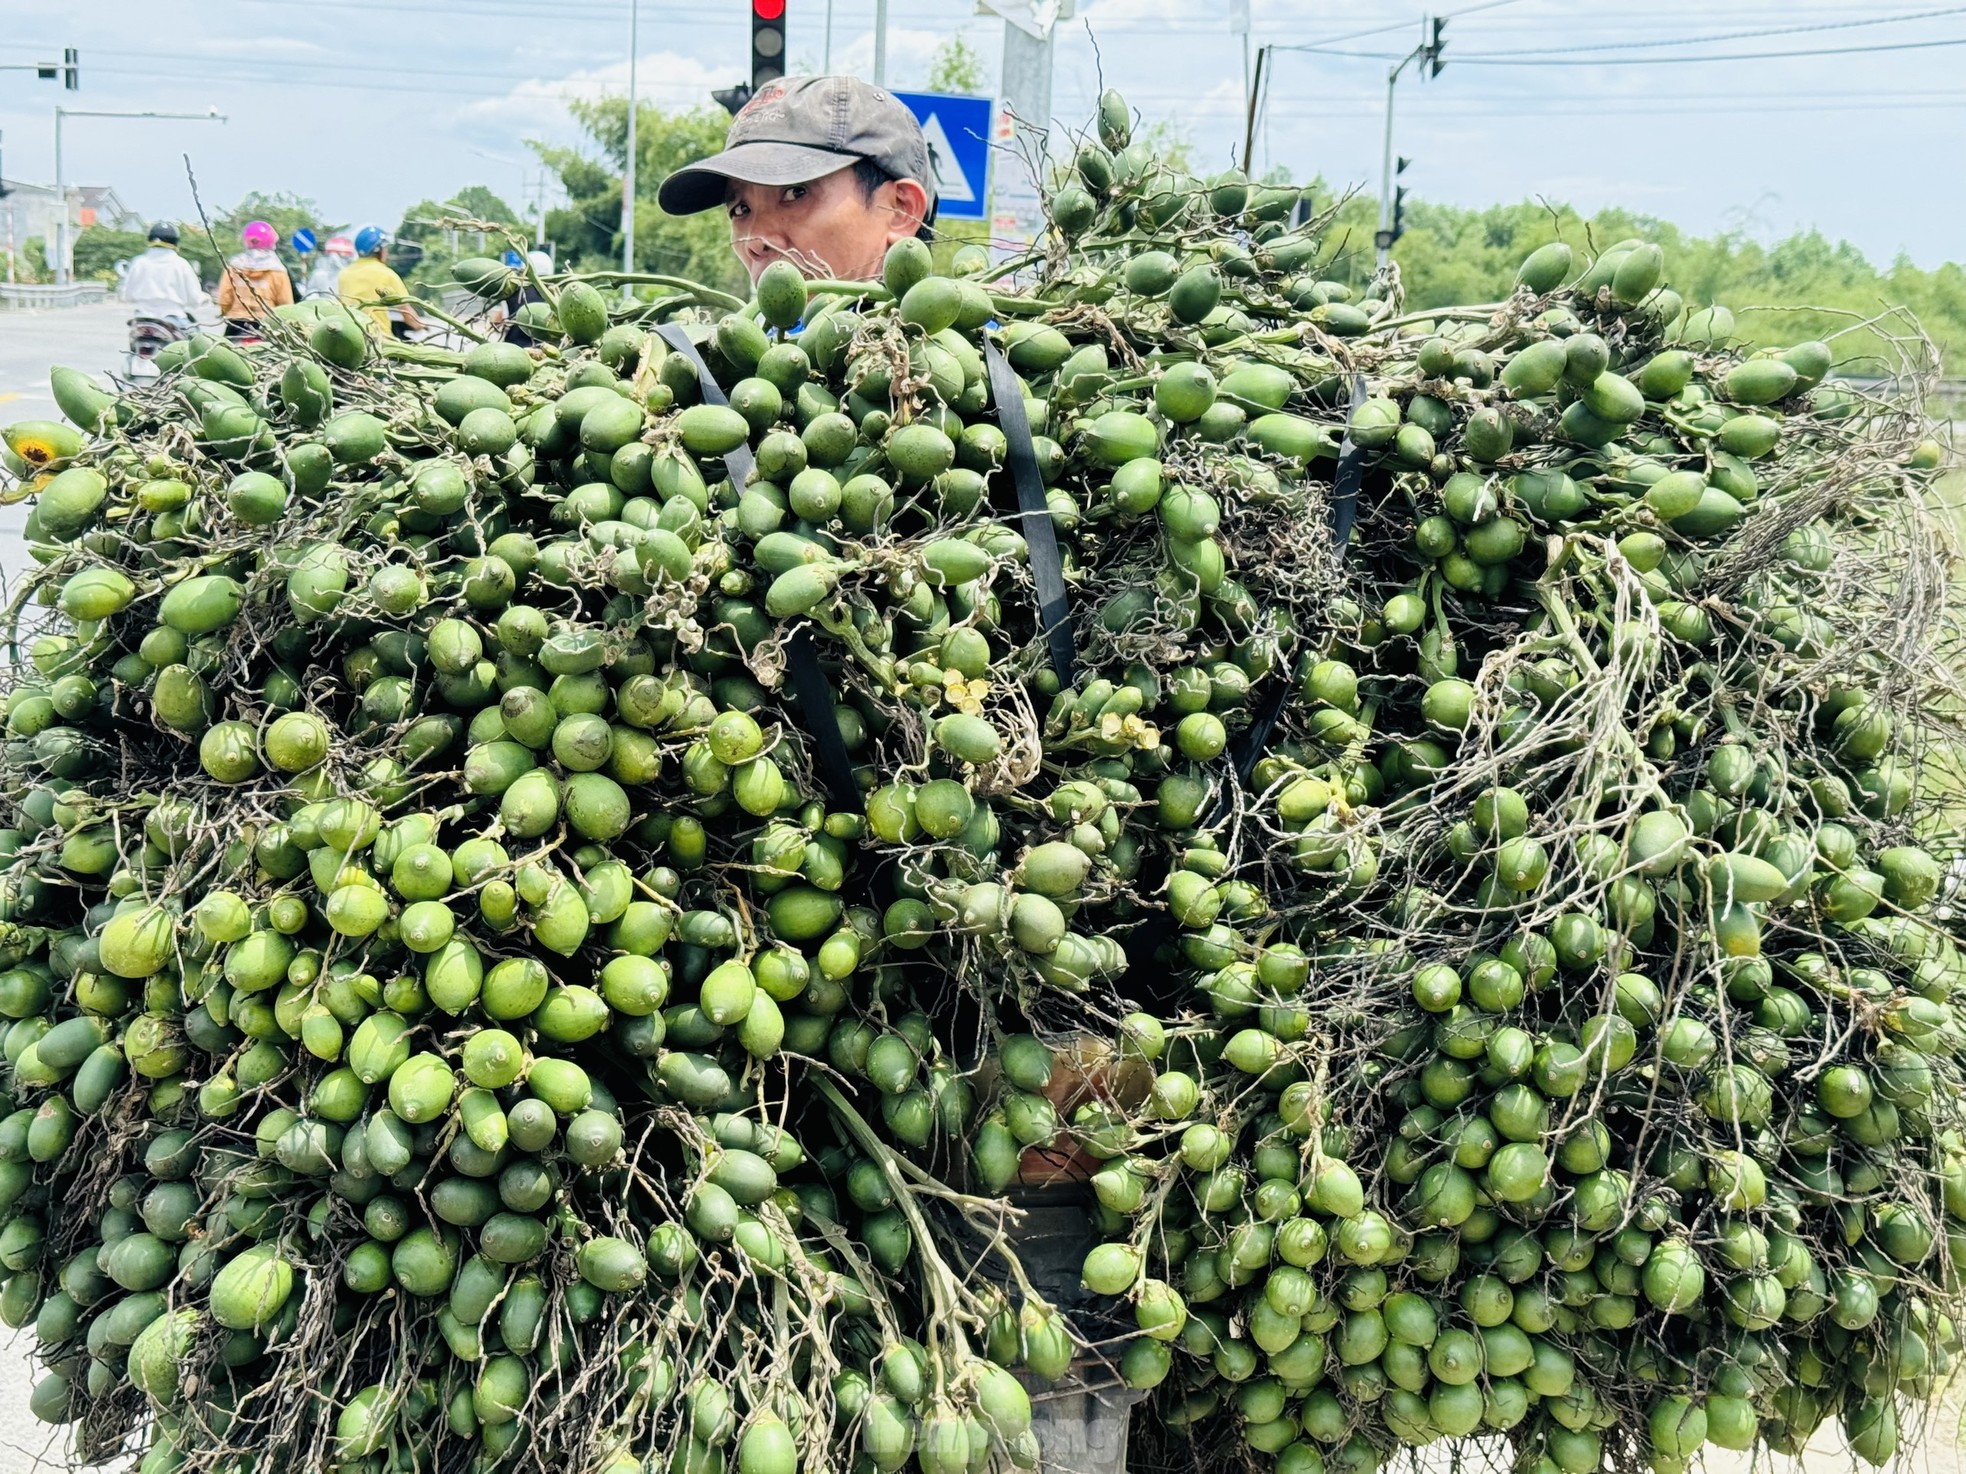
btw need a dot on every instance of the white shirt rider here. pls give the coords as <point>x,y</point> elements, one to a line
<point>161,283</point>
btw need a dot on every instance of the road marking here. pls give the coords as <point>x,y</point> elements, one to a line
<point>5,397</point>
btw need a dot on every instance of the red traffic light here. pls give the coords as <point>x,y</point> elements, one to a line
<point>767,41</point>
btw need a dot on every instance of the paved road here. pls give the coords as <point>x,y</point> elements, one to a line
<point>91,338</point>
<point>31,343</point>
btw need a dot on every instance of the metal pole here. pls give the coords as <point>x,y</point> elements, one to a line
<point>210,115</point>
<point>880,43</point>
<point>1248,95</point>
<point>1254,90</point>
<point>827,65</point>
<point>61,212</point>
<point>1386,166</point>
<point>628,177</point>
<point>1017,204</point>
<point>10,234</point>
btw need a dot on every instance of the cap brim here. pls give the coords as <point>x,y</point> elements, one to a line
<point>701,186</point>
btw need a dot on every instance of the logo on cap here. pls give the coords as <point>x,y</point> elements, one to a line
<point>769,93</point>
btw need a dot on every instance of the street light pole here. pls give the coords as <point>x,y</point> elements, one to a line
<point>880,43</point>
<point>62,273</point>
<point>1427,53</point>
<point>628,175</point>
<point>1386,167</point>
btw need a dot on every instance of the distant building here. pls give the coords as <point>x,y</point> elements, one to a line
<point>29,210</point>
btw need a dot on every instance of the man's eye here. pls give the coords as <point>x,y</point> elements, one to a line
<point>793,192</point>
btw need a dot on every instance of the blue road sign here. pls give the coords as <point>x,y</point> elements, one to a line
<point>303,240</point>
<point>958,130</point>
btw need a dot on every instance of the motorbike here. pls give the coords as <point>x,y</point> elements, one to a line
<point>148,336</point>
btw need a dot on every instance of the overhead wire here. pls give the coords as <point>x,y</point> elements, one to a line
<point>1501,60</point>
<point>1812,27</point>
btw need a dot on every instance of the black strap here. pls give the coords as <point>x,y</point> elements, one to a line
<point>1040,536</point>
<point>815,696</point>
<point>737,462</point>
<point>1250,750</point>
<point>1351,471</point>
<point>810,687</point>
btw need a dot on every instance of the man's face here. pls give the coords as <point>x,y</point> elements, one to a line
<point>828,228</point>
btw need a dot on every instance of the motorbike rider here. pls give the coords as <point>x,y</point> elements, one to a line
<point>255,281</point>
<point>162,284</point>
<point>370,284</point>
<point>334,259</point>
<point>524,292</point>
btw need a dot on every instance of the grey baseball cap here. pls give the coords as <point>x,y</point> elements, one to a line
<point>799,129</point>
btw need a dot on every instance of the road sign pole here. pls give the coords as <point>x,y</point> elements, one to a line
<point>1019,218</point>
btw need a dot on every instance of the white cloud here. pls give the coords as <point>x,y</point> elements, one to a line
<point>909,53</point>
<point>665,78</point>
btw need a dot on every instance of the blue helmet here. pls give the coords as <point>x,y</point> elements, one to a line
<point>514,259</point>
<point>370,239</point>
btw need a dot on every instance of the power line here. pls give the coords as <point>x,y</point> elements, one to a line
<point>1497,59</point>
<point>717,15</point>
<point>1816,26</point>
<point>368,69</point>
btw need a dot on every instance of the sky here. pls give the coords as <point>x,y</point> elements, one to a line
<point>366,106</point>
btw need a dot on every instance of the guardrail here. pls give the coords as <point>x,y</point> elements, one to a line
<point>1948,389</point>
<point>17,295</point>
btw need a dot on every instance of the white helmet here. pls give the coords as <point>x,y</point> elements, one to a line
<point>540,262</point>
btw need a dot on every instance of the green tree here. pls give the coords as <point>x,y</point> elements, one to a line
<point>587,230</point>
<point>98,249</point>
<point>1170,142</point>
<point>955,67</point>
<point>425,249</point>
<point>1802,286</point>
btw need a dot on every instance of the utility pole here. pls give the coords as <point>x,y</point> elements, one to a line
<point>1239,26</point>
<point>9,210</point>
<point>62,245</point>
<point>628,175</point>
<point>880,43</point>
<point>826,66</point>
<point>1016,194</point>
<point>1427,53</point>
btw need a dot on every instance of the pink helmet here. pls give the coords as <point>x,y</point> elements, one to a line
<point>339,245</point>
<point>259,236</point>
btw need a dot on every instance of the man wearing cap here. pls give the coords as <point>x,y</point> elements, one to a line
<point>824,172</point>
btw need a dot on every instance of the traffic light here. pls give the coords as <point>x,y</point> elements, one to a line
<point>1383,239</point>
<point>767,42</point>
<point>1435,46</point>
